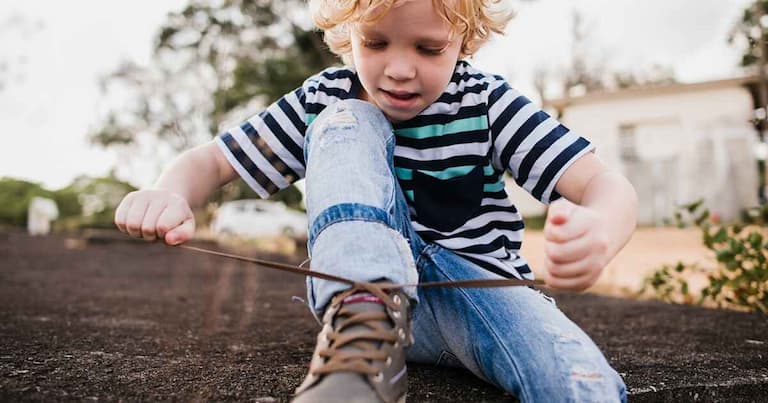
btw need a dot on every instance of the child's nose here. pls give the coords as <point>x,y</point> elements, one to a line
<point>400,68</point>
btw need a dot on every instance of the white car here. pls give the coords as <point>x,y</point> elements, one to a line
<point>258,218</point>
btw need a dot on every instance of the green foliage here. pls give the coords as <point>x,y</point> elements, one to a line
<point>16,194</point>
<point>536,222</point>
<point>99,198</point>
<point>87,202</point>
<point>747,31</point>
<point>290,196</point>
<point>741,254</point>
<point>211,58</point>
<point>68,203</point>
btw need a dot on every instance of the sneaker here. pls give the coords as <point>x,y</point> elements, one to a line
<point>360,353</point>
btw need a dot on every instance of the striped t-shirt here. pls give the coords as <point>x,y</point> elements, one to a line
<point>450,159</point>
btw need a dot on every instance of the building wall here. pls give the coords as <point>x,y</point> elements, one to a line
<point>676,147</point>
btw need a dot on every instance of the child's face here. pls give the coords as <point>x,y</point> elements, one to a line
<point>405,59</point>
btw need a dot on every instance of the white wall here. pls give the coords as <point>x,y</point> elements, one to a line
<point>690,144</point>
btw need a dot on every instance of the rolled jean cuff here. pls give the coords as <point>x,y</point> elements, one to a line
<point>348,212</point>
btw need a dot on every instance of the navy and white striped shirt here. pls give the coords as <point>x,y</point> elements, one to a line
<point>449,159</point>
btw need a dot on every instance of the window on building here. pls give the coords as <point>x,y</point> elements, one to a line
<point>628,142</point>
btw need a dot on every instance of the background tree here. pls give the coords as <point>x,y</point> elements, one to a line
<point>99,198</point>
<point>587,69</point>
<point>16,194</point>
<point>746,33</point>
<point>212,60</point>
<point>750,34</point>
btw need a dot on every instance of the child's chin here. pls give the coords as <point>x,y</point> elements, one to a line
<point>399,116</point>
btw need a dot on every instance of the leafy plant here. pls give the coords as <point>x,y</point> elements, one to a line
<point>740,277</point>
<point>16,194</point>
<point>99,197</point>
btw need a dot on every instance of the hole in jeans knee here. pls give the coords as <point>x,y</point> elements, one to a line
<point>343,118</point>
<point>583,375</point>
<point>580,364</point>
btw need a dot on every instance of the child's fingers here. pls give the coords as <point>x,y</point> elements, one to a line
<point>182,233</point>
<point>122,212</point>
<point>567,270</point>
<point>559,211</point>
<point>149,229</point>
<point>170,221</point>
<point>576,283</point>
<point>135,217</point>
<point>567,252</point>
<point>563,228</point>
<point>575,276</point>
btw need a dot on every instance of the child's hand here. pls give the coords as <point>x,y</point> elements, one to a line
<point>153,214</point>
<point>576,246</point>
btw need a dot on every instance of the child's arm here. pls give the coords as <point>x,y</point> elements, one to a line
<point>582,238</point>
<point>164,211</point>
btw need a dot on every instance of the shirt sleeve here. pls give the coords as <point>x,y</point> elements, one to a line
<point>533,146</point>
<point>267,150</point>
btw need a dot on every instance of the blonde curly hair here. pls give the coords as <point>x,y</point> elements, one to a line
<point>473,20</point>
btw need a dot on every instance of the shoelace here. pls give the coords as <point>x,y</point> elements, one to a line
<point>364,341</point>
<point>359,360</point>
<point>480,283</point>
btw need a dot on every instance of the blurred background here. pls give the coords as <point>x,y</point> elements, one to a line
<point>97,97</point>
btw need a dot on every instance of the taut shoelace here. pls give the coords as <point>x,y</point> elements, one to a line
<point>480,283</point>
<point>359,360</point>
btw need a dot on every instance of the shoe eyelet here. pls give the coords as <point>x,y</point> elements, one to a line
<point>378,377</point>
<point>396,314</point>
<point>396,300</point>
<point>401,333</point>
<point>389,361</point>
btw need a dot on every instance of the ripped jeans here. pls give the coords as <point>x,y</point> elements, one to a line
<point>515,337</point>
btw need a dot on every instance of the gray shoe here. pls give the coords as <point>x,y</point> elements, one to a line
<point>360,353</point>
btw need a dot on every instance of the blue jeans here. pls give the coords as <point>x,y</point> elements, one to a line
<point>513,337</point>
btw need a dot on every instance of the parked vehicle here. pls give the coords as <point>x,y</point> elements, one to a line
<point>258,218</point>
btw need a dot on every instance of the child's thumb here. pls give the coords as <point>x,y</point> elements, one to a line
<point>560,211</point>
<point>182,233</point>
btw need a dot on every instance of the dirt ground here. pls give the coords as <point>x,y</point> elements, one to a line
<point>105,318</point>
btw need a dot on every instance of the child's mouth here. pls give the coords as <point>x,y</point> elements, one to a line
<point>404,96</point>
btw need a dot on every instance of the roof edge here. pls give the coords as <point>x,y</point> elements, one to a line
<point>650,89</point>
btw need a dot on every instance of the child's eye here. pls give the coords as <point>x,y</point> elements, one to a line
<point>431,51</point>
<point>374,44</point>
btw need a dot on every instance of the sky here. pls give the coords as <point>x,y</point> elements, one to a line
<point>53,53</point>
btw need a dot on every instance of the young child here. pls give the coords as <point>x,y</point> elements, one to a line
<point>404,152</point>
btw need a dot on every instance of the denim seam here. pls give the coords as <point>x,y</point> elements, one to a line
<point>345,219</point>
<point>425,253</point>
<point>359,212</point>
<point>389,144</point>
<point>496,337</point>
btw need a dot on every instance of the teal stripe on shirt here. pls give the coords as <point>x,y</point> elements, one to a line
<point>493,187</point>
<point>457,126</point>
<point>453,172</point>
<point>407,174</point>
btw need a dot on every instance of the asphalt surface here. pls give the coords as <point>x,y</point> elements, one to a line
<point>100,317</point>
